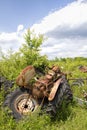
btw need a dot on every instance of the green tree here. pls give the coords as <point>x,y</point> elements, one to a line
<point>29,54</point>
<point>31,50</point>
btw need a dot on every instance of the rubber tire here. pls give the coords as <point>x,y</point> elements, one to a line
<point>78,83</point>
<point>10,101</point>
<point>63,94</point>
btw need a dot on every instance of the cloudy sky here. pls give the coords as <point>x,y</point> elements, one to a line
<point>63,22</point>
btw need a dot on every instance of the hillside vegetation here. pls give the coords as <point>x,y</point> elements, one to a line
<point>74,117</point>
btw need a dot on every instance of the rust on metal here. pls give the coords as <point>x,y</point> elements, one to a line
<point>43,85</point>
<point>83,69</point>
<point>25,76</point>
<point>54,89</point>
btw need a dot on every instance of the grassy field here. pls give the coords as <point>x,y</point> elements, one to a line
<point>71,118</point>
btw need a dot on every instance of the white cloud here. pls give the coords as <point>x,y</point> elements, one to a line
<point>20,27</point>
<point>65,48</point>
<point>70,15</point>
<point>65,28</point>
<point>7,37</point>
<point>12,40</point>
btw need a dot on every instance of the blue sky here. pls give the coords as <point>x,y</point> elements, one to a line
<point>63,22</point>
<point>26,12</point>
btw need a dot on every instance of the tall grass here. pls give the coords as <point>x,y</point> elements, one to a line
<point>72,118</point>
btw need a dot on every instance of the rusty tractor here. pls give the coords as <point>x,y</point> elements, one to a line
<point>47,91</point>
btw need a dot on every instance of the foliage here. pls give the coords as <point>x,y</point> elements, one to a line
<point>29,54</point>
<point>72,117</point>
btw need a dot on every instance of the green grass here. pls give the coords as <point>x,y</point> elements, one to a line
<point>70,118</point>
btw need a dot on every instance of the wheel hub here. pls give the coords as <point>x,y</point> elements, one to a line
<point>25,105</point>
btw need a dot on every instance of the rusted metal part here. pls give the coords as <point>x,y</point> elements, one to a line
<point>54,89</point>
<point>83,69</point>
<point>43,85</point>
<point>25,104</point>
<point>41,88</point>
<point>25,76</point>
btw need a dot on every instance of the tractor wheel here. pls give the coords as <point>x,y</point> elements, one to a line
<point>21,103</point>
<point>63,94</point>
<point>78,83</point>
